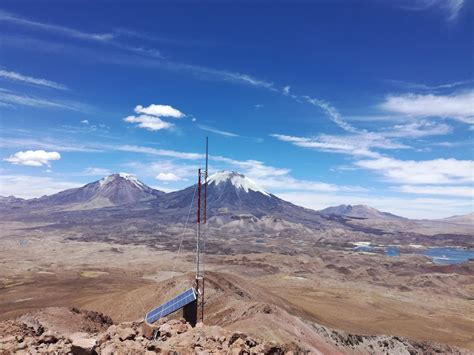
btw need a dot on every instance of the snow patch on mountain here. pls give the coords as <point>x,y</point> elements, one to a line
<point>129,177</point>
<point>239,181</point>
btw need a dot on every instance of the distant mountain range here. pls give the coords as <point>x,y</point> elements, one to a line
<point>123,208</point>
<point>227,192</point>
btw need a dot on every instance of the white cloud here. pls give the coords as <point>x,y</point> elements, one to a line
<point>159,111</point>
<point>436,171</point>
<point>460,191</point>
<point>167,177</point>
<point>286,90</point>
<point>30,80</point>
<point>150,117</point>
<point>85,122</point>
<point>33,158</point>
<point>151,123</point>
<point>457,106</point>
<point>25,186</point>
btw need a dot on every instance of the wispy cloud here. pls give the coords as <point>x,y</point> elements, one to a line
<point>218,131</point>
<point>169,40</point>
<point>421,128</point>
<point>272,178</point>
<point>10,75</point>
<point>329,144</point>
<point>436,171</point>
<point>91,171</point>
<point>450,8</point>
<point>216,74</point>
<point>13,98</point>
<point>457,106</point>
<point>332,113</point>
<point>49,144</point>
<point>26,186</point>
<point>426,87</point>
<point>137,57</point>
<point>104,38</point>
<point>159,152</point>
<point>163,168</point>
<point>358,145</point>
<point>460,191</point>
<point>227,133</point>
<point>21,21</point>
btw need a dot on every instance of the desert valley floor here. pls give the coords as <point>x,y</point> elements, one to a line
<point>356,292</point>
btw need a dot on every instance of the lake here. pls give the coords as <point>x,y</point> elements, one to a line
<point>449,255</point>
<point>439,255</point>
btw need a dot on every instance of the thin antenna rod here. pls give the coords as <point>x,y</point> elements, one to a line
<point>198,226</point>
<point>205,221</point>
<point>205,180</point>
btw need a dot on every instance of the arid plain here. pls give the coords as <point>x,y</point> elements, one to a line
<point>356,292</point>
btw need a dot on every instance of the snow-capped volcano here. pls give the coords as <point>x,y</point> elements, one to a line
<point>239,181</point>
<point>112,190</point>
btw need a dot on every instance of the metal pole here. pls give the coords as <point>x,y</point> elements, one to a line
<point>205,222</point>
<point>198,223</point>
<point>205,180</point>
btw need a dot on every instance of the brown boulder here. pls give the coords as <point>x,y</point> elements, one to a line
<point>48,338</point>
<point>126,333</point>
<point>82,344</point>
<point>148,330</point>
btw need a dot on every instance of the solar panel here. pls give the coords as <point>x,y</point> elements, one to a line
<point>171,306</point>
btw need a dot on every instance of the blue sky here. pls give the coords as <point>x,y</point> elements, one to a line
<point>320,102</point>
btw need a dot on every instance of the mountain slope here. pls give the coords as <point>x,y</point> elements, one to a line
<point>464,219</point>
<point>231,195</point>
<point>358,211</point>
<point>113,190</point>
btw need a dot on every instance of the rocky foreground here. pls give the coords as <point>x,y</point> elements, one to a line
<point>60,330</point>
<point>35,334</point>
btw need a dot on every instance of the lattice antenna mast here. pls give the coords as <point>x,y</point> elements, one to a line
<point>200,246</point>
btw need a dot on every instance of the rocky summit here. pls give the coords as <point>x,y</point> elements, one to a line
<point>86,332</point>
